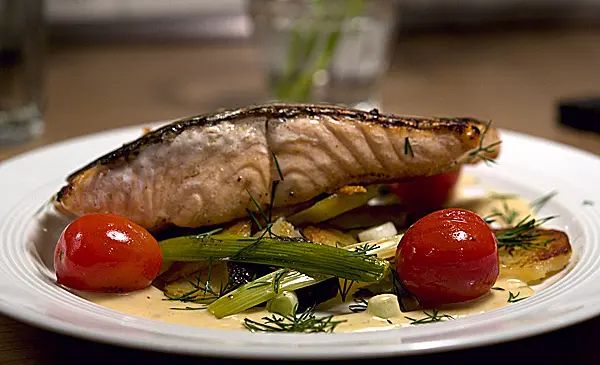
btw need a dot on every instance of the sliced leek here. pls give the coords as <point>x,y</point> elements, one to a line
<point>288,253</point>
<point>333,206</point>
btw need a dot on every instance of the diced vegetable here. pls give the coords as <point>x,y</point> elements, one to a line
<point>385,230</point>
<point>384,248</point>
<point>333,206</point>
<point>289,253</point>
<point>327,236</point>
<point>384,306</point>
<point>280,227</point>
<point>284,303</point>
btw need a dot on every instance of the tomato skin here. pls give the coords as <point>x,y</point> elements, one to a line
<point>448,256</point>
<point>106,253</point>
<point>426,193</point>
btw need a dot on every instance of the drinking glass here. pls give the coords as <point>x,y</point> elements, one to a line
<point>21,69</point>
<point>332,51</point>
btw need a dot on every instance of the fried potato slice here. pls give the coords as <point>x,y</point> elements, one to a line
<point>328,236</point>
<point>533,263</point>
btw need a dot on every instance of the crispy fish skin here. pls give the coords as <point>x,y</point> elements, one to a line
<point>201,171</point>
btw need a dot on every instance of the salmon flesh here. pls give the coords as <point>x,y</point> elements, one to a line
<point>205,170</point>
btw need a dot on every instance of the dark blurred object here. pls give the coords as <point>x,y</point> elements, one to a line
<point>581,113</point>
<point>159,20</point>
<point>21,70</point>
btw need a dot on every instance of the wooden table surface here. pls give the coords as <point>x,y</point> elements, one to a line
<point>514,79</point>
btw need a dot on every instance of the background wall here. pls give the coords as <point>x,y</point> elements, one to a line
<point>162,19</point>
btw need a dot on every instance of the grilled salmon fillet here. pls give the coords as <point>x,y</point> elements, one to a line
<point>202,170</point>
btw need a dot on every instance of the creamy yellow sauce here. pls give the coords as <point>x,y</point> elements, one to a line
<point>151,303</point>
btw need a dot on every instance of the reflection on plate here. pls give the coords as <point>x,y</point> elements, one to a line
<point>528,166</point>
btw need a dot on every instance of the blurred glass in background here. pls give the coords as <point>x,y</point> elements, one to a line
<point>332,51</point>
<point>21,70</point>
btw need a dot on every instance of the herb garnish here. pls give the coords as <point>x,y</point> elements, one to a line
<point>188,308</point>
<point>360,305</point>
<point>362,250</point>
<point>513,298</point>
<point>482,150</point>
<point>523,235</point>
<point>435,316</point>
<point>501,196</point>
<point>540,202</point>
<point>305,322</point>
<point>408,148</point>
<point>508,215</point>
<point>588,202</point>
<point>202,292</point>
<point>498,288</point>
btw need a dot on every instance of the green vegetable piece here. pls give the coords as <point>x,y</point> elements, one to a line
<point>284,303</point>
<point>332,206</point>
<point>289,253</point>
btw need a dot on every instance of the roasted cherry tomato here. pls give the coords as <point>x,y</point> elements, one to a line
<point>107,253</point>
<point>425,194</point>
<point>448,256</point>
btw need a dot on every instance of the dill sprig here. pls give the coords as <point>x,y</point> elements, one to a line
<point>498,288</point>
<point>513,298</point>
<point>363,250</point>
<point>508,215</point>
<point>345,286</point>
<point>188,308</point>
<point>202,292</point>
<point>344,289</point>
<point>277,166</point>
<point>432,317</point>
<point>523,235</point>
<point>360,305</point>
<point>305,322</point>
<point>540,202</point>
<point>408,148</point>
<point>502,196</point>
<point>482,150</point>
<point>588,202</point>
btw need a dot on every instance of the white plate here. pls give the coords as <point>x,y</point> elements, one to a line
<point>528,166</point>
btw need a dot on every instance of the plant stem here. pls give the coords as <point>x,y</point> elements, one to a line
<point>280,252</point>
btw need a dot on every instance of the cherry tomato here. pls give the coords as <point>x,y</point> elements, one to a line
<point>425,194</point>
<point>106,253</point>
<point>448,256</point>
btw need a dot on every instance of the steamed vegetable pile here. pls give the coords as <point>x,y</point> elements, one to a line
<point>291,264</point>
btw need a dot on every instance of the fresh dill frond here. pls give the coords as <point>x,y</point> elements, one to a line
<point>502,196</point>
<point>202,292</point>
<point>277,279</point>
<point>498,288</point>
<point>588,202</point>
<point>408,148</point>
<point>306,322</point>
<point>258,207</point>
<point>360,305</point>
<point>364,249</point>
<point>540,202</point>
<point>507,214</point>
<point>344,289</point>
<point>481,150</point>
<point>277,166</point>
<point>432,317</point>
<point>188,308</point>
<point>523,235</point>
<point>513,298</point>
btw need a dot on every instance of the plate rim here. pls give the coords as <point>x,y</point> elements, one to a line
<point>41,321</point>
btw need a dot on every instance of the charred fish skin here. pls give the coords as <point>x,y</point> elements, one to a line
<point>204,170</point>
